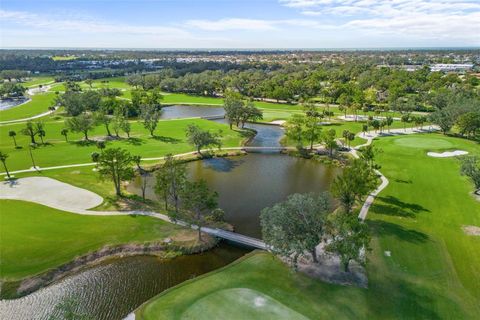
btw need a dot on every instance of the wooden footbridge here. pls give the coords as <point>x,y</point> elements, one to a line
<point>235,237</point>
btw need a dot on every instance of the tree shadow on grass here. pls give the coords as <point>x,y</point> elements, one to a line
<point>333,124</point>
<point>403,181</point>
<point>393,206</point>
<point>402,299</point>
<point>383,228</point>
<point>167,139</point>
<point>134,141</point>
<point>83,143</point>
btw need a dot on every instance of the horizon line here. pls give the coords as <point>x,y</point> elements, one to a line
<point>251,49</point>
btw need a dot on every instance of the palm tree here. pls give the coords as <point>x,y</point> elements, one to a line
<point>12,134</point>
<point>41,134</point>
<point>3,158</point>
<point>32,146</point>
<point>64,133</point>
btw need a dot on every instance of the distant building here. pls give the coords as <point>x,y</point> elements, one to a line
<point>411,67</point>
<point>446,67</point>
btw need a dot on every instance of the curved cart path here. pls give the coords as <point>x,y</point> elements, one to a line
<point>370,136</point>
<point>32,91</point>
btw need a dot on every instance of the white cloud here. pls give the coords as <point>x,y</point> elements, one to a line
<point>432,26</point>
<point>252,24</point>
<point>83,24</point>
<point>420,19</point>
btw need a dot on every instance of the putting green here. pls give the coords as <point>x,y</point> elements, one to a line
<point>240,303</point>
<point>423,142</point>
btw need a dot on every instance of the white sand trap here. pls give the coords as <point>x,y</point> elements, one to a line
<point>240,303</point>
<point>447,154</point>
<point>279,122</point>
<point>50,192</point>
<point>471,230</point>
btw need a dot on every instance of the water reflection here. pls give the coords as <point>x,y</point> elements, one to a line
<point>177,112</point>
<point>247,184</point>
<point>10,103</point>
<point>112,290</point>
<point>222,164</point>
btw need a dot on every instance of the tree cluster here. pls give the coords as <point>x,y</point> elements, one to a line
<point>238,112</point>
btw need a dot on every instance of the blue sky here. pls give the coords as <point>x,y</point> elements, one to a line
<point>239,24</point>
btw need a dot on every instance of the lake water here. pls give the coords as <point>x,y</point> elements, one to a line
<point>247,184</point>
<point>177,112</point>
<point>10,103</point>
<point>111,290</point>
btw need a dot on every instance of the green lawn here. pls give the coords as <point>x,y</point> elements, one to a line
<point>418,218</point>
<point>257,286</point>
<point>63,58</point>
<point>37,80</point>
<point>39,104</point>
<point>431,273</point>
<point>170,138</point>
<point>35,238</point>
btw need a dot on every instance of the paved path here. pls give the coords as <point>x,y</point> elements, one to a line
<point>360,117</point>
<point>46,113</point>
<point>370,136</point>
<point>246,148</point>
<point>32,91</point>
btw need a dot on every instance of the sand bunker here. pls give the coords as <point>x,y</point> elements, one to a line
<point>50,192</point>
<point>447,154</point>
<point>471,230</point>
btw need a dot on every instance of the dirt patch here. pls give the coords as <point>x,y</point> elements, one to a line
<point>471,230</point>
<point>329,269</point>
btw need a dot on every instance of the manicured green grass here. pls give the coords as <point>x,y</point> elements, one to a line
<point>38,104</point>
<point>432,270</point>
<point>418,218</point>
<point>258,276</point>
<point>246,303</point>
<point>114,82</point>
<point>35,238</point>
<point>63,58</point>
<point>170,138</point>
<point>35,81</point>
<point>179,98</point>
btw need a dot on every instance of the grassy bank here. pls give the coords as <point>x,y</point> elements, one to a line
<point>39,104</point>
<point>258,286</point>
<point>35,238</point>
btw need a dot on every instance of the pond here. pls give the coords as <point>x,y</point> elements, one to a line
<point>178,112</point>
<point>10,103</point>
<point>111,290</point>
<point>247,184</point>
